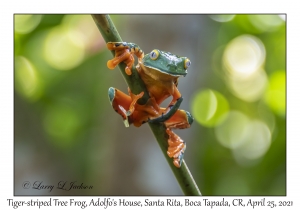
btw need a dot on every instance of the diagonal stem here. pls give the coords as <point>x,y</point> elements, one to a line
<point>136,85</point>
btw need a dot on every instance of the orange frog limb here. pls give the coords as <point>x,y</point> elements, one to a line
<point>122,103</point>
<point>131,112</point>
<point>124,53</point>
<point>181,119</point>
<point>176,148</point>
<point>176,95</point>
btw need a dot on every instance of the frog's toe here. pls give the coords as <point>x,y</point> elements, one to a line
<point>128,113</point>
<point>178,161</point>
<point>111,64</point>
<point>110,45</point>
<point>126,122</point>
<point>128,70</point>
<point>189,117</point>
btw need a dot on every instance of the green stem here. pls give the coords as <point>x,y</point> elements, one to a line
<point>136,85</point>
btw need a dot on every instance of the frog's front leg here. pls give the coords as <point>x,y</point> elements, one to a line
<point>123,104</point>
<point>124,53</point>
<point>120,56</point>
<point>176,95</point>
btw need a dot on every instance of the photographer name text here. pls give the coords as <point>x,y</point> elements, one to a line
<point>61,185</point>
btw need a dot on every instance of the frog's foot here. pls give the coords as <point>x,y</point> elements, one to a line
<point>124,53</point>
<point>120,56</point>
<point>134,98</point>
<point>169,113</point>
<point>176,148</point>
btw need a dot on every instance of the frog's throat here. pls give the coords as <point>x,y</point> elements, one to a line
<point>153,74</point>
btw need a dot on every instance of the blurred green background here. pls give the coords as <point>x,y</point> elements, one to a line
<point>66,130</point>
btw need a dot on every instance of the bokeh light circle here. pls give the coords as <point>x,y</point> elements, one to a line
<point>208,106</point>
<point>258,140</point>
<point>24,24</point>
<point>266,22</point>
<point>251,88</point>
<point>63,48</point>
<point>275,95</point>
<point>222,18</point>
<point>248,139</point>
<point>244,55</point>
<point>232,132</point>
<point>243,61</point>
<point>27,79</point>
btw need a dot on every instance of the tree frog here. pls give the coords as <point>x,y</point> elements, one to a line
<point>160,72</point>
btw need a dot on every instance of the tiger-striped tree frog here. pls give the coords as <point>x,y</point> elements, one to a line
<point>160,72</point>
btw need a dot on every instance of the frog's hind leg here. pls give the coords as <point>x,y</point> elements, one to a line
<point>176,148</point>
<point>181,119</point>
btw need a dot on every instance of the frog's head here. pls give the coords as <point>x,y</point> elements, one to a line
<point>167,63</point>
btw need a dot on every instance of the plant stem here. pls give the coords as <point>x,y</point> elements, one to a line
<point>136,85</point>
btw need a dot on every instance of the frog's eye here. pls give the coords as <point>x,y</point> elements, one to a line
<point>187,63</point>
<point>154,54</point>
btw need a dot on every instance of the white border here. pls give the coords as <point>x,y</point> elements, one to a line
<point>233,6</point>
